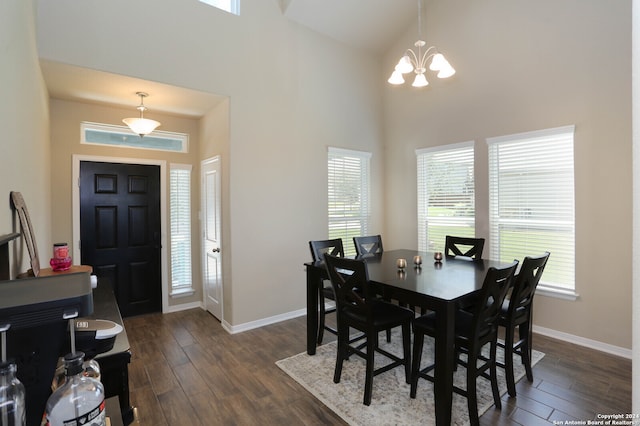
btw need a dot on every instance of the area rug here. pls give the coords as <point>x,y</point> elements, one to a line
<point>390,403</point>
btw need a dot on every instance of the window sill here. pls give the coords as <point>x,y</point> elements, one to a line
<point>558,293</point>
<point>182,292</point>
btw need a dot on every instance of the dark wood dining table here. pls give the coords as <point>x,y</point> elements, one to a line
<point>439,286</point>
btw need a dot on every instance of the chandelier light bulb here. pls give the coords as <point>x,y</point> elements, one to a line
<point>446,72</point>
<point>420,81</point>
<point>396,78</point>
<point>438,62</point>
<point>404,65</point>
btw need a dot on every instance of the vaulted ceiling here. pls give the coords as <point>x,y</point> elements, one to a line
<point>366,24</point>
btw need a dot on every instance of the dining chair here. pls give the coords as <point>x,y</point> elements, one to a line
<point>361,310</point>
<point>318,249</point>
<point>517,312</point>
<point>473,331</point>
<point>463,246</point>
<point>367,246</point>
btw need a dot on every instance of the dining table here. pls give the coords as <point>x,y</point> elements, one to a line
<point>440,286</point>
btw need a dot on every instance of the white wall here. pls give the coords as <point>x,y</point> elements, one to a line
<point>24,120</point>
<point>291,94</point>
<point>523,67</point>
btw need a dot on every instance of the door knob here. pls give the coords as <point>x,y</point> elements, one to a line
<point>216,250</point>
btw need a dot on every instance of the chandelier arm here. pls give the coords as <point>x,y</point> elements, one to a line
<point>412,57</point>
<point>428,54</point>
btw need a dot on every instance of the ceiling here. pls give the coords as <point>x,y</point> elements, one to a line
<point>366,24</point>
<point>73,83</point>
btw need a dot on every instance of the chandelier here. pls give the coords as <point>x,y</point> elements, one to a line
<point>140,125</point>
<point>416,61</point>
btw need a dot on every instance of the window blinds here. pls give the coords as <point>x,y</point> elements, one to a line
<point>446,194</point>
<point>180,206</point>
<point>348,195</point>
<point>531,201</point>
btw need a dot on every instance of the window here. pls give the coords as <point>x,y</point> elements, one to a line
<point>231,6</point>
<point>180,211</point>
<point>531,202</point>
<point>446,194</point>
<point>108,134</point>
<point>348,189</point>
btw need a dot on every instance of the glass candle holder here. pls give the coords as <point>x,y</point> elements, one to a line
<point>437,256</point>
<point>417,260</point>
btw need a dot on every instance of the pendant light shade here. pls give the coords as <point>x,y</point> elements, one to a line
<point>420,81</point>
<point>140,125</point>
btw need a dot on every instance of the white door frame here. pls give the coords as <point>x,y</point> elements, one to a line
<point>75,210</point>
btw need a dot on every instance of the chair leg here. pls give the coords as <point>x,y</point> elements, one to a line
<point>343,352</point>
<point>388,335</point>
<point>472,393</point>
<point>418,342</point>
<point>368,382</point>
<point>508,360</point>
<point>406,344</point>
<point>321,315</point>
<point>493,374</point>
<point>525,350</point>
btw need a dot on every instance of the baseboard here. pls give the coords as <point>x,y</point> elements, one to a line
<point>582,341</point>
<point>183,307</point>
<point>233,329</point>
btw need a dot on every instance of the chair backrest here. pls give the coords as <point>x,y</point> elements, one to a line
<point>350,281</point>
<point>525,284</point>
<point>494,290</point>
<point>463,246</point>
<point>370,245</point>
<point>320,247</point>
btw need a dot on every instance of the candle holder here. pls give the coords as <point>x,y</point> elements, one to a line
<point>417,260</point>
<point>401,263</point>
<point>437,256</point>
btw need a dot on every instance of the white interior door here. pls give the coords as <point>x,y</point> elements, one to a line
<point>211,236</point>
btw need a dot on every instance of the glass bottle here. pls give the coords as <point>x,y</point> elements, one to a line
<point>12,394</point>
<point>90,368</point>
<point>80,400</point>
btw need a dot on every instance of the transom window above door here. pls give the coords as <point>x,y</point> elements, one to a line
<point>109,134</point>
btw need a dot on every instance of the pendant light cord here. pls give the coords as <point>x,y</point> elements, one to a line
<point>419,19</point>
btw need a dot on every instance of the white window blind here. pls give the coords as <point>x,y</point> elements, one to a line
<point>446,194</point>
<point>180,205</point>
<point>531,201</point>
<point>348,195</point>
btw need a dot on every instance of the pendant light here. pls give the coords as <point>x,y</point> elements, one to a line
<point>140,125</point>
<point>417,61</point>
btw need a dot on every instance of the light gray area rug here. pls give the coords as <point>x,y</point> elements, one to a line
<point>390,404</point>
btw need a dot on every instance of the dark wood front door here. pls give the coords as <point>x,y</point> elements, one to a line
<point>120,231</point>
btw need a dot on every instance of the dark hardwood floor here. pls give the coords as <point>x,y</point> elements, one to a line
<point>187,370</point>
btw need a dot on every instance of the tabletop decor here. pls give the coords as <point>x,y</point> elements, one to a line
<point>401,263</point>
